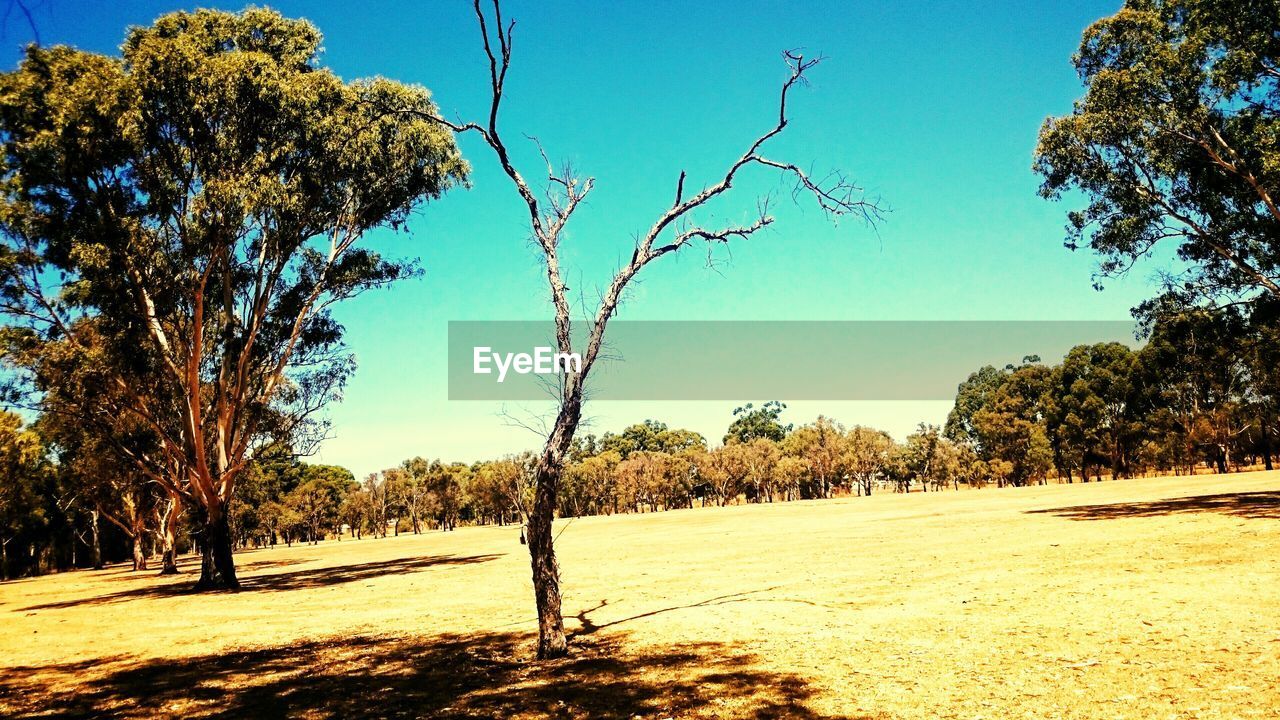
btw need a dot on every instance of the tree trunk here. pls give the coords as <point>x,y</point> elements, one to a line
<point>542,557</point>
<point>168,560</point>
<point>217,566</point>
<point>1266,441</point>
<point>139,557</point>
<point>97,539</point>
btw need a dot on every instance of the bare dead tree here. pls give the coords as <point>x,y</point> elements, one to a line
<point>674,229</point>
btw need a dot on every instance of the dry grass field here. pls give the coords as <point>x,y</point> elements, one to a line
<point>1156,598</point>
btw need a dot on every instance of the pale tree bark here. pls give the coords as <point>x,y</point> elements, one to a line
<point>673,229</point>
<point>208,425</point>
<point>133,523</point>
<point>95,531</point>
<point>167,516</point>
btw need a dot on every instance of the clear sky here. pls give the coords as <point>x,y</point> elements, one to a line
<point>933,107</point>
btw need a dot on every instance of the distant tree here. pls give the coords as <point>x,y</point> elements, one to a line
<point>398,489</point>
<point>273,473</point>
<point>1009,427</point>
<point>591,485</point>
<point>821,444</point>
<point>21,465</point>
<point>970,469</point>
<point>167,514</point>
<point>584,446</point>
<point>445,485</point>
<point>415,495</point>
<point>317,501</point>
<point>1174,140</point>
<point>356,512</point>
<point>375,487</point>
<point>1262,356</point>
<point>491,490</point>
<point>760,456</point>
<point>655,479</point>
<point>971,396</point>
<point>97,455</point>
<point>506,485</point>
<point>866,456</point>
<point>1095,407</point>
<point>751,422</point>
<point>650,436</point>
<point>929,458</point>
<point>725,470</point>
<point>950,465</point>
<point>1197,372</point>
<point>790,474</point>
<point>290,523</point>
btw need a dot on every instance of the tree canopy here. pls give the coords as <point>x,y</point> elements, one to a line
<point>201,199</point>
<point>1175,141</point>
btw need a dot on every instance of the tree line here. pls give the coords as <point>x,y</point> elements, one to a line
<point>1201,392</point>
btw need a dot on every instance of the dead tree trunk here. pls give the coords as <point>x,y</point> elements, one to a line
<point>674,228</point>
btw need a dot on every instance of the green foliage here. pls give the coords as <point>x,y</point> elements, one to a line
<point>317,501</point>
<point>751,422</point>
<point>1093,419</point>
<point>931,459</point>
<point>972,394</point>
<point>196,205</point>
<point>651,436</point>
<point>1207,378</point>
<point>23,472</point>
<point>822,446</point>
<point>1202,390</point>
<point>282,497</point>
<point>590,485</point>
<point>1177,139</point>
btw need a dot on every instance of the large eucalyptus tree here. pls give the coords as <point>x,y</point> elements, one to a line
<point>1175,142</point>
<point>202,199</point>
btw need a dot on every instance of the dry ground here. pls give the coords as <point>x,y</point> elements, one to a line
<point>1153,598</point>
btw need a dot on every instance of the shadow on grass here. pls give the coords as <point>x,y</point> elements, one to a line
<point>188,563</point>
<point>589,627</point>
<point>277,582</point>
<point>1258,505</point>
<point>449,676</point>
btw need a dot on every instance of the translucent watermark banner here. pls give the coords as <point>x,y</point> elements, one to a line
<point>737,360</point>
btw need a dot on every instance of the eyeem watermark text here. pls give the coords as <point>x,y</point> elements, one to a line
<point>543,361</point>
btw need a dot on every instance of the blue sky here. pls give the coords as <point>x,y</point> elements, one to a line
<point>932,107</point>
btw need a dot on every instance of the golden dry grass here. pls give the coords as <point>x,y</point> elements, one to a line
<point>1155,598</point>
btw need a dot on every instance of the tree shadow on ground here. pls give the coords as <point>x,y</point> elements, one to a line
<point>282,581</point>
<point>448,676</point>
<point>192,564</point>
<point>590,627</point>
<point>1257,505</point>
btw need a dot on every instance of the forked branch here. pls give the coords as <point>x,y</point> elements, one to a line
<point>835,194</point>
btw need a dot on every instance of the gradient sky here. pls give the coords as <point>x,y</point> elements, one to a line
<point>932,107</point>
